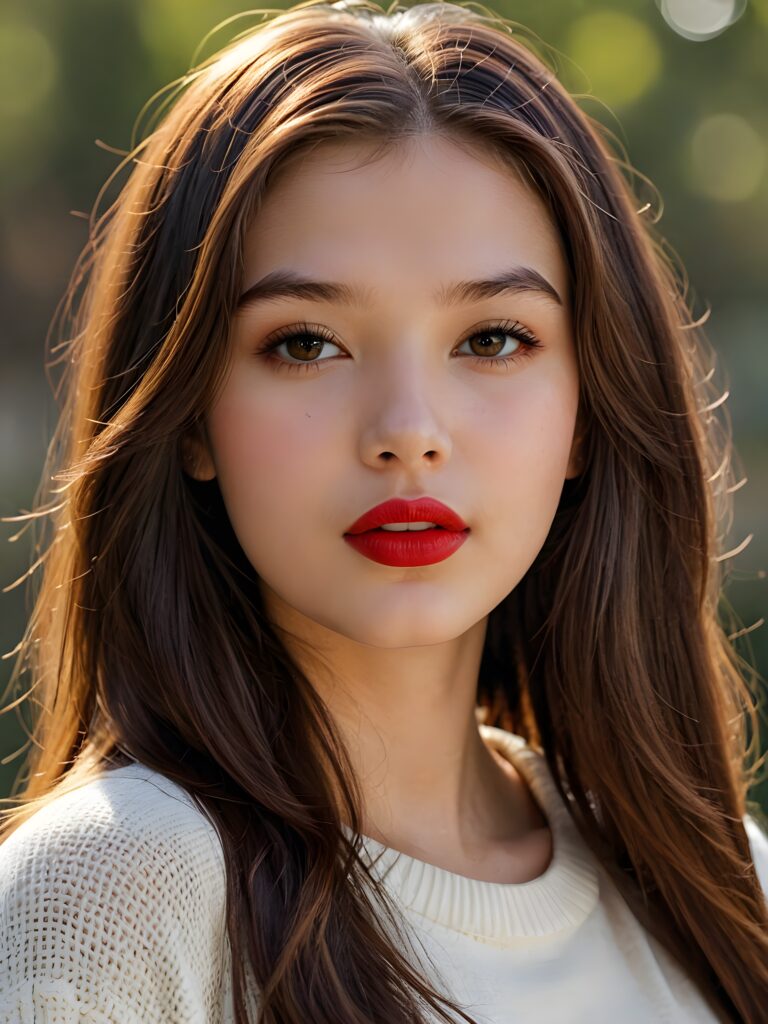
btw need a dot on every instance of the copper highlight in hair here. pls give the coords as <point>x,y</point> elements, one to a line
<point>148,640</point>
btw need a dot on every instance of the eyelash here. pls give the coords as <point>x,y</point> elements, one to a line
<point>511,327</point>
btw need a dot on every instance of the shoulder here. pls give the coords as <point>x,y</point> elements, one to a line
<point>131,817</point>
<point>533,764</point>
<point>114,895</point>
<point>758,843</point>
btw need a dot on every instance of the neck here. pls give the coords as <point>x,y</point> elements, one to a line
<point>407,718</point>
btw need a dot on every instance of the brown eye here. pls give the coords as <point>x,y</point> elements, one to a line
<point>304,346</point>
<point>305,343</point>
<point>490,343</point>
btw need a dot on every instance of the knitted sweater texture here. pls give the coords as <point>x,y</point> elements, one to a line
<point>113,899</point>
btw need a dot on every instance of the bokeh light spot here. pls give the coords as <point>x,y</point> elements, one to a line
<point>701,19</point>
<point>28,68</point>
<point>726,158</point>
<point>618,53</point>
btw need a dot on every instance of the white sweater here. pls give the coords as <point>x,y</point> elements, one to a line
<point>112,909</point>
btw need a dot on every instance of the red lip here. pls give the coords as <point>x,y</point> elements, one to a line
<point>408,547</point>
<point>398,510</point>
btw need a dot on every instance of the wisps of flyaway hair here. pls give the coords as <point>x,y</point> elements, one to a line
<point>148,638</point>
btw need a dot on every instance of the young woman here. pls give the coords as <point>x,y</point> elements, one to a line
<point>377,648</point>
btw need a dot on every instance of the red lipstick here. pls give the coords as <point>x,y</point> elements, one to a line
<point>408,547</point>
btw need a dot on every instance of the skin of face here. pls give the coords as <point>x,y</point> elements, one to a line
<point>398,407</point>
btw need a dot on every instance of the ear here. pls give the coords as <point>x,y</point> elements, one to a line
<point>576,459</point>
<point>196,457</point>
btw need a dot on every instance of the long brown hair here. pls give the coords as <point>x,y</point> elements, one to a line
<point>148,638</point>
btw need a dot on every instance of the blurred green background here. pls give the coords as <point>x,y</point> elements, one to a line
<point>688,104</point>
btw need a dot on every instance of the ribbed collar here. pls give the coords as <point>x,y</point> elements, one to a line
<point>498,912</point>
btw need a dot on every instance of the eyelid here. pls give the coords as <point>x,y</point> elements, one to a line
<point>514,328</point>
<point>282,333</point>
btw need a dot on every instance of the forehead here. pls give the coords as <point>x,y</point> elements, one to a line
<point>425,211</point>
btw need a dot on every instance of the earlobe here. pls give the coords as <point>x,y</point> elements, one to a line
<point>576,458</point>
<point>196,458</point>
<point>575,463</point>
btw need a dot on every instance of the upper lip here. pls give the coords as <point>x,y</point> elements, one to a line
<point>399,510</point>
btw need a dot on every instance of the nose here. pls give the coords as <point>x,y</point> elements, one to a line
<point>405,423</point>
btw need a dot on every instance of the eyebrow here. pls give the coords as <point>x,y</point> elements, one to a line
<point>281,284</point>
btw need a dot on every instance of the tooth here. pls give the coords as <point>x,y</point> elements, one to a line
<point>401,527</point>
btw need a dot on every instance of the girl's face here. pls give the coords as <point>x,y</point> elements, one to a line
<point>398,385</point>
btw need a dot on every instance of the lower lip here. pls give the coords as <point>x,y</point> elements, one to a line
<point>407,547</point>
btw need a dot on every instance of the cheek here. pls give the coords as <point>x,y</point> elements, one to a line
<point>269,453</point>
<point>282,462</point>
<point>523,463</point>
<point>533,425</point>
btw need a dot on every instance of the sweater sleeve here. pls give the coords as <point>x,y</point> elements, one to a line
<point>758,842</point>
<point>112,910</point>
